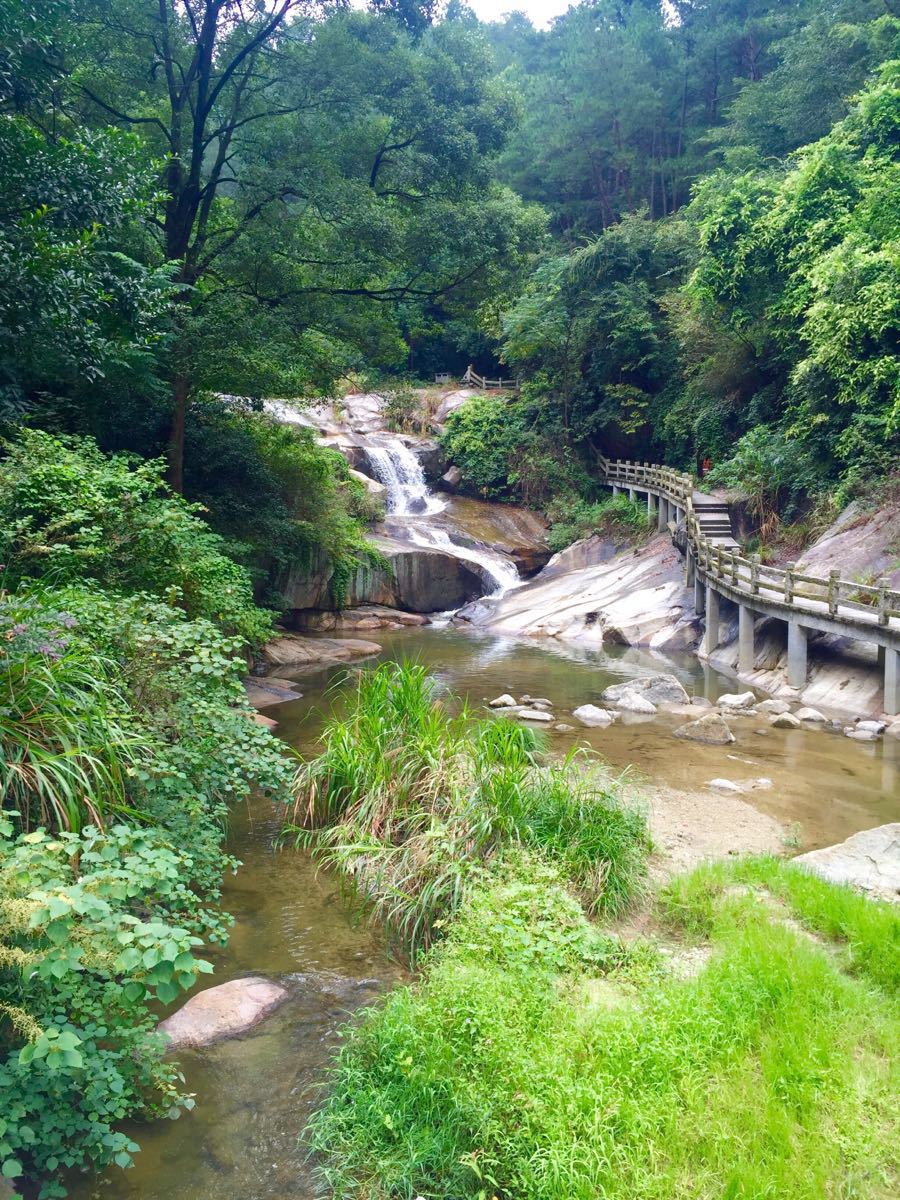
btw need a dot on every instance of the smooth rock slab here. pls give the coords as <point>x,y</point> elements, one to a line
<point>592,716</point>
<point>869,860</point>
<point>712,729</point>
<point>222,1012</point>
<point>656,689</point>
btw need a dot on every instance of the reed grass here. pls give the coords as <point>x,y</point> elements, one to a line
<point>408,797</point>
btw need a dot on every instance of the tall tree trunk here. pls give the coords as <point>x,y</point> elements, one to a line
<point>180,392</point>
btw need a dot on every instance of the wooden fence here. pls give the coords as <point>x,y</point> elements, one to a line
<point>480,381</point>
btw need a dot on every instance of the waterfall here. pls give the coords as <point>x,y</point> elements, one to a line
<point>400,471</point>
<point>500,570</point>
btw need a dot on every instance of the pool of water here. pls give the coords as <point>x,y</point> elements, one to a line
<point>254,1094</point>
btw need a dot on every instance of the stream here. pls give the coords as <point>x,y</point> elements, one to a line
<point>255,1093</point>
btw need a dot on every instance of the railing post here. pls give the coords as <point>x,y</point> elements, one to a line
<point>883,603</point>
<point>833,593</point>
<point>789,585</point>
<point>754,576</point>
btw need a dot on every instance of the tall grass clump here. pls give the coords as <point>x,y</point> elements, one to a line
<point>536,1058</point>
<point>409,797</point>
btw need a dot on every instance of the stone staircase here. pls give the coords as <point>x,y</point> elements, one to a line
<point>714,520</point>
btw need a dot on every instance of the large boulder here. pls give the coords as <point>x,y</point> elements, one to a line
<point>450,480</point>
<point>712,730</point>
<point>365,617</point>
<point>658,689</point>
<point>737,700</point>
<point>222,1012</point>
<point>869,860</point>
<point>430,454</point>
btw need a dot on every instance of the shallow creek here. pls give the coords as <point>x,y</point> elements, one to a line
<point>255,1093</point>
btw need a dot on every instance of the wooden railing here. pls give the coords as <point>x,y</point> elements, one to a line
<point>481,381</point>
<point>748,577</point>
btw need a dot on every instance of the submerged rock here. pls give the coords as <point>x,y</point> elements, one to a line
<point>268,691</point>
<point>222,1012</point>
<point>724,785</point>
<point>712,729</point>
<point>532,714</point>
<point>869,860</point>
<point>562,727</point>
<point>592,716</point>
<point>785,720</point>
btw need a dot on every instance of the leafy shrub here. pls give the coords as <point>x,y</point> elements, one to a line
<point>617,517</point>
<point>482,437</point>
<point>68,512</point>
<point>280,499</point>
<point>407,800</point>
<point>773,470</point>
<point>94,928</point>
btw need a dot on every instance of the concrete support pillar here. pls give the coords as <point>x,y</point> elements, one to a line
<point>616,489</point>
<point>651,506</point>
<point>891,681</point>
<point>796,664</point>
<point>746,643</point>
<point>632,495</point>
<point>711,637</point>
<point>699,595</point>
<point>689,570</point>
<point>661,515</point>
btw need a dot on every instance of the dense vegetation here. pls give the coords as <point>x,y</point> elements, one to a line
<point>124,740</point>
<point>538,1056</point>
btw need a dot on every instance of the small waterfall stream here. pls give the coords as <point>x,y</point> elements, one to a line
<point>410,504</point>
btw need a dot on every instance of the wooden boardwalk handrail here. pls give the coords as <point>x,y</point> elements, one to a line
<point>481,381</point>
<point>749,577</point>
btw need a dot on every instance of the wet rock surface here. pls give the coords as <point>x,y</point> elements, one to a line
<point>712,730</point>
<point>657,689</point>
<point>222,1012</point>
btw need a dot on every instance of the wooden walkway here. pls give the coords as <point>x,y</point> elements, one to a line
<point>716,568</point>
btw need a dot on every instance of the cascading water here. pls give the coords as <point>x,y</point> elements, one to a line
<point>409,498</point>
<point>400,471</point>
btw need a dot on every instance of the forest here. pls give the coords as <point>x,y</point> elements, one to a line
<point>677,227</point>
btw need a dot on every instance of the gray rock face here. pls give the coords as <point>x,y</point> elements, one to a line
<point>451,479</point>
<point>365,617</point>
<point>592,716</point>
<point>869,860</point>
<point>712,730</point>
<point>431,455</point>
<point>222,1012</point>
<point>414,579</point>
<point>785,720</point>
<point>657,689</point>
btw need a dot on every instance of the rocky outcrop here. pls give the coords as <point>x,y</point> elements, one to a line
<point>518,532</point>
<point>588,596</point>
<point>869,860</point>
<point>298,652</point>
<point>411,578</point>
<point>222,1012</point>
